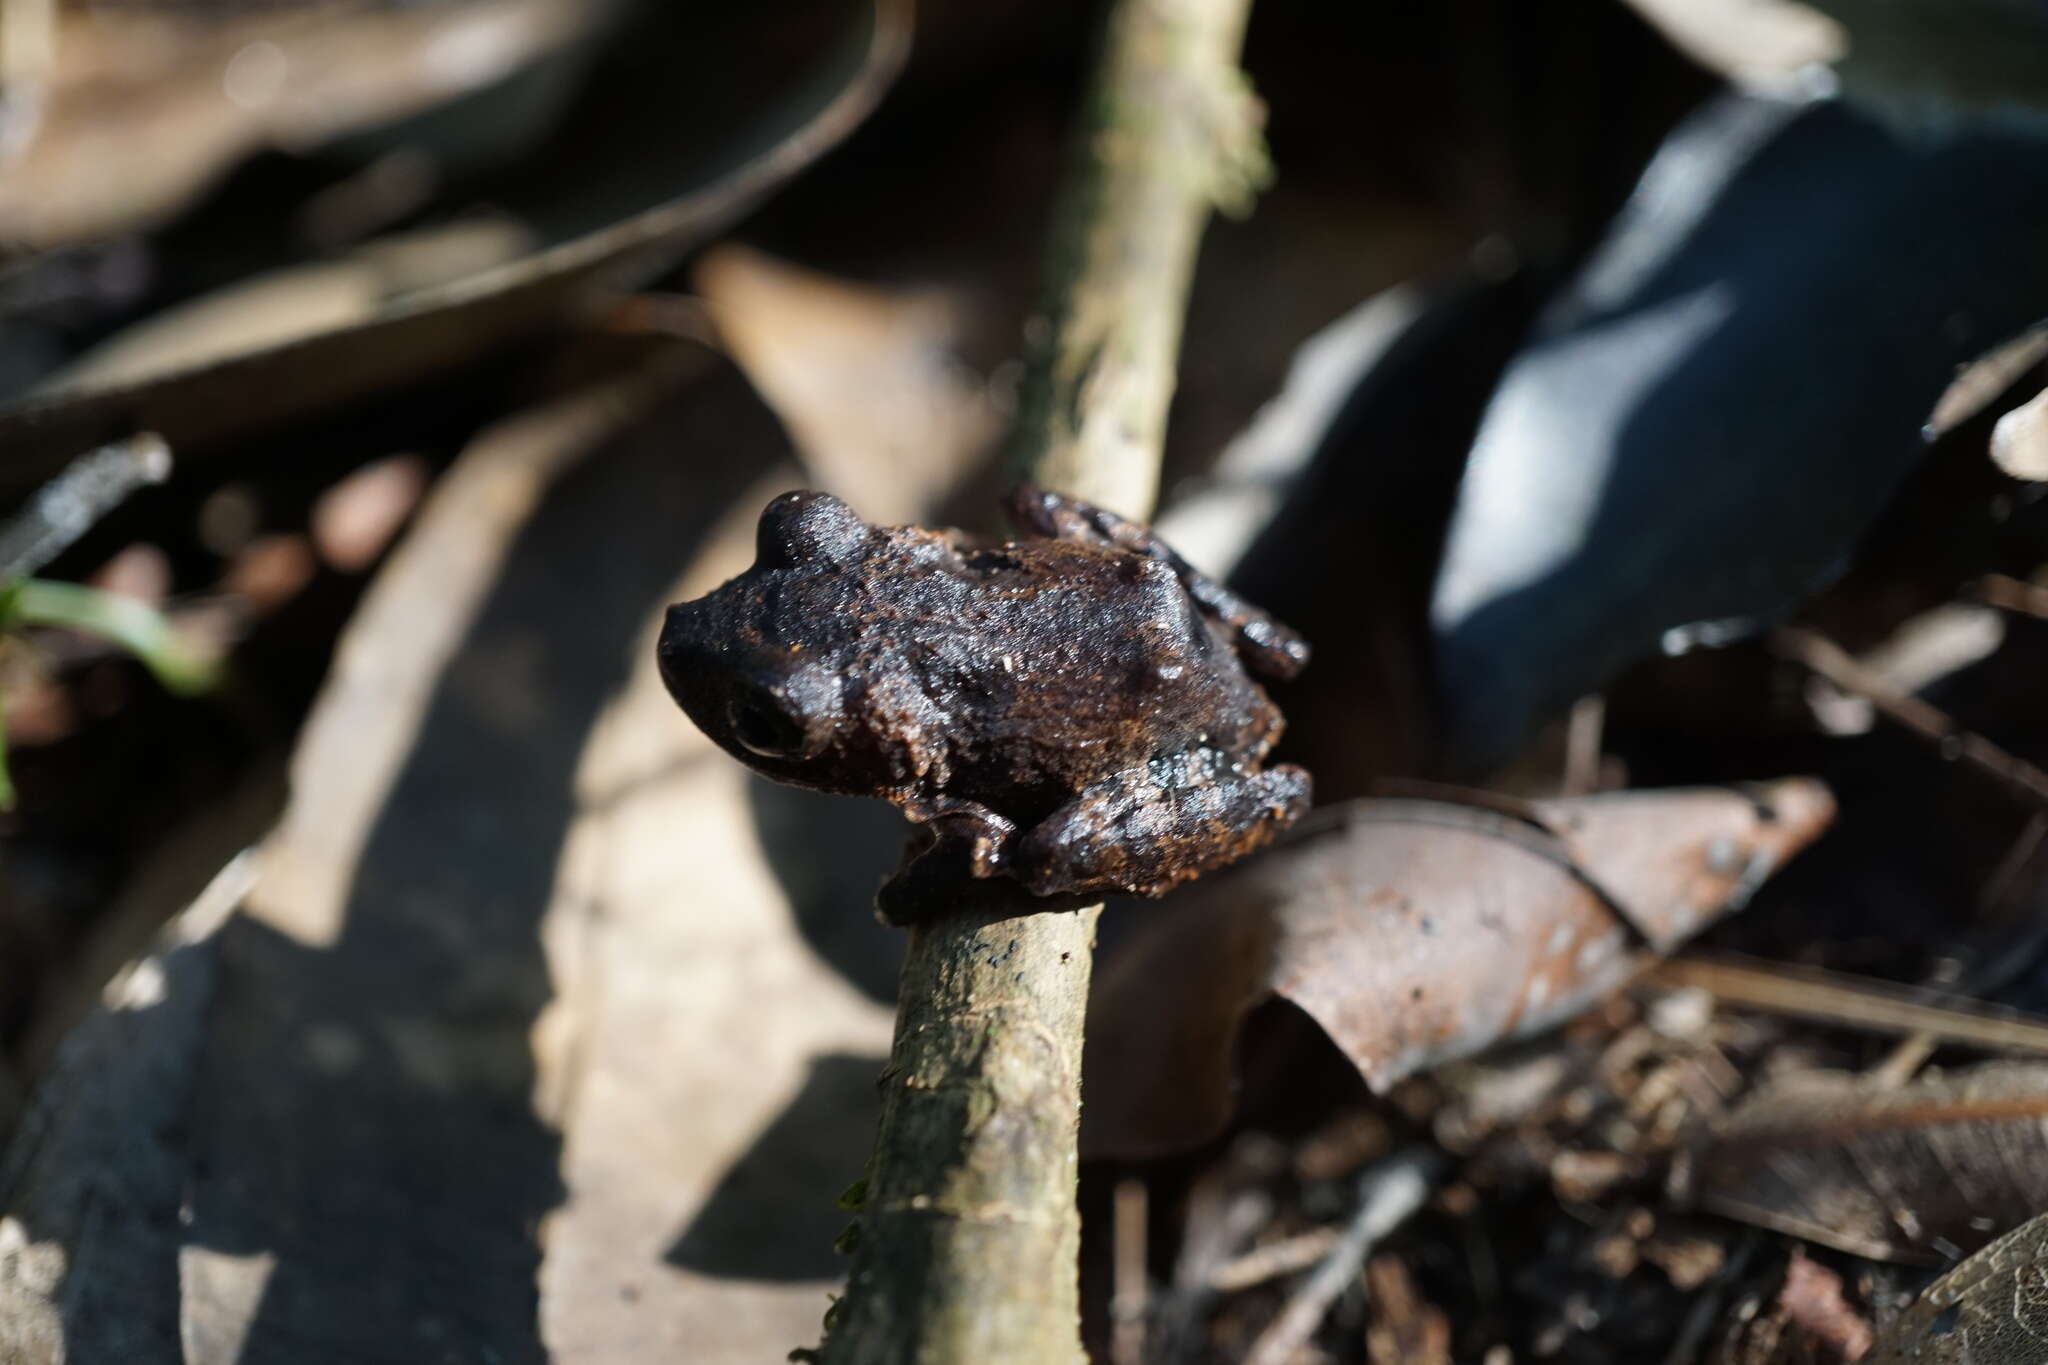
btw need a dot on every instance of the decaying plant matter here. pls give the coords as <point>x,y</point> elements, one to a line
<point>1598,419</point>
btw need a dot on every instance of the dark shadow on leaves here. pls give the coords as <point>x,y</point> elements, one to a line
<point>829,854</point>
<point>363,1111</point>
<point>775,1214</point>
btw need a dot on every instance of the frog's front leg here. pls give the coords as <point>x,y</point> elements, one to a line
<point>1267,646</point>
<point>953,861</point>
<point>1145,830</point>
<point>968,829</point>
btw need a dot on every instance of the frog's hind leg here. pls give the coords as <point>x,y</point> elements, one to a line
<point>1138,833</point>
<point>1268,646</point>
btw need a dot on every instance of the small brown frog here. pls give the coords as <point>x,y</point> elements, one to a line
<point>1070,712</point>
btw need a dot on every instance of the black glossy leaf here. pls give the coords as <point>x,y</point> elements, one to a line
<point>1711,416</point>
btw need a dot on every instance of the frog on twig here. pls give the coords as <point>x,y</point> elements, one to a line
<point>1072,713</point>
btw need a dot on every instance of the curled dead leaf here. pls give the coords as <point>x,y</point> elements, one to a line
<point>279,307</point>
<point>1990,1310</point>
<point>422,331</point>
<point>1907,1172</point>
<point>1417,931</point>
<point>147,106</point>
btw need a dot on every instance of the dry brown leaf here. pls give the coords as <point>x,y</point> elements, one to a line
<point>147,107</point>
<point>282,306</point>
<point>424,331</point>
<point>1894,1173</point>
<point>1417,931</point>
<point>863,378</point>
<point>1990,1310</point>
<point>525,1061</point>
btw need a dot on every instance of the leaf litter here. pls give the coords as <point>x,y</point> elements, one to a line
<point>1597,1131</point>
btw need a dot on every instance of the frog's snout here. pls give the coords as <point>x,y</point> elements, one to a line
<point>747,698</point>
<point>672,652</point>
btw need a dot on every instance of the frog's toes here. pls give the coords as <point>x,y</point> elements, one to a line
<point>976,837</point>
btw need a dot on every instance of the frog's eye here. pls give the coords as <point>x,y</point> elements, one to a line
<point>807,527</point>
<point>761,727</point>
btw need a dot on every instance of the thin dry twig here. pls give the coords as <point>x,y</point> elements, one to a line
<point>1913,1051</point>
<point>2012,594</point>
<point>1288,1256</point>
<point>969,1238</point>
<point>1217,1222</point>
<point>1582,746</point>
<point>1830,661</point>
<point>2005,879</point>
<point>1129,1303</point>
<point>1854,1002</point>
<point>1387,1195</point>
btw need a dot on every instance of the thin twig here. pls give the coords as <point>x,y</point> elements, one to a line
<point>2012,594</point>
<point>69,505</point>
<point>1952,741</point>
<point>1387,1195</point>
<point>1218,1221</point>
<point>1274,1260</point>
<point>1854,1002</point>
<point>1582,746</point>
<point>2006,876</point>
<point>1912,1052</point>
<point>1904,1060</point>
<point>969,1239</point>
<point>1129,1304</point>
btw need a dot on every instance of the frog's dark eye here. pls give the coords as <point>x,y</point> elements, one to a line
<point>806,527</point>
<point>761,727</point>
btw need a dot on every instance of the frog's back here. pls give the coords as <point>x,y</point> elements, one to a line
<point>1082,660</point>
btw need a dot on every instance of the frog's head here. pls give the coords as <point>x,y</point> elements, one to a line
<point>759,664</point>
